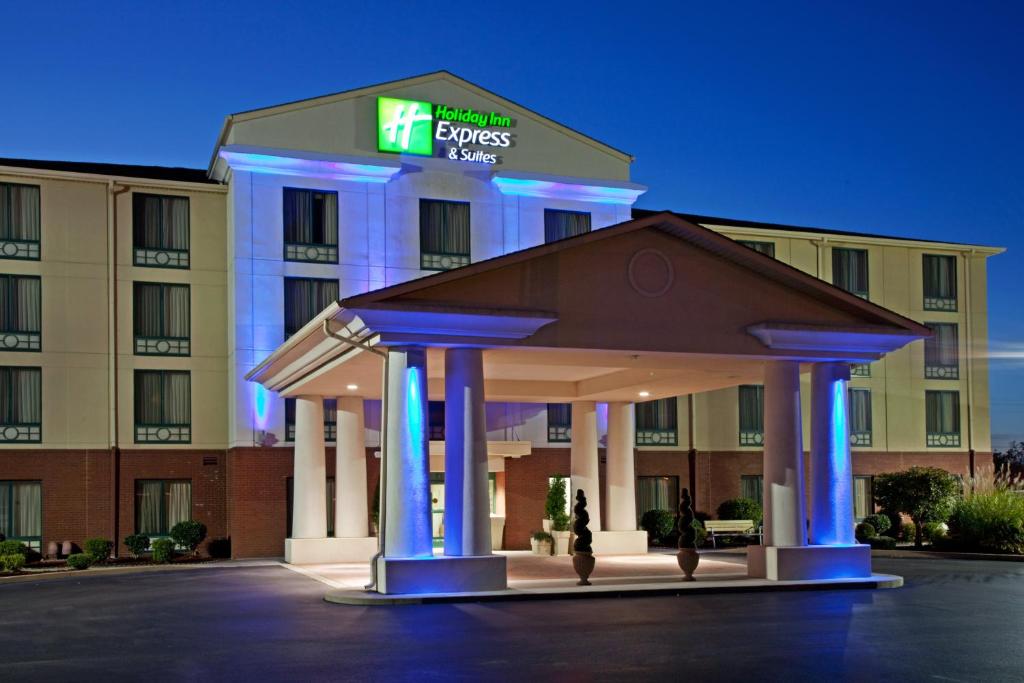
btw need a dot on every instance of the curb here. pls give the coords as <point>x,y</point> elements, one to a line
<point>939,555</point>
<point>122,571</point>
<point>351,597</point>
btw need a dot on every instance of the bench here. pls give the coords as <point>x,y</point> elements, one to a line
<point>731,527</point>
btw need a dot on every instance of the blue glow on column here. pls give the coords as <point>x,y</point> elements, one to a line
<point>260,406</point>
<point>417,464</point>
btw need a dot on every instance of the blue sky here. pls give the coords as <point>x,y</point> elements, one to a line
<point>895,118</point>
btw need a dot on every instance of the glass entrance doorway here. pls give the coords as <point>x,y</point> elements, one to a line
<point>437,503</point>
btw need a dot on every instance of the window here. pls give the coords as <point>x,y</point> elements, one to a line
<point>942,418</point>
<point>304,299</point>
<point>21,512</point>
<point>941,352</point>
<point>559,225</point>
<point>752,487</point>
<point>656,423</point>
<point>860,370</point>
<point>766,248</point>
<point>444,234</point>
<point>435,420</point>
<point>850,270</point>
<point>860,417</point>
<point>330,419</point>
<point>160,504</point>
<point>560,422</point>
<point>163,410</point>
<point>863,493</point>
<point>331,506</point>
<point>19,221</point>
<point>310,225</point>
<point>751,415</point>
<point>656,493</point>
<point>20,312</point>
<point>160,228</point>
<point>939,282</point>
<point>161,319</point>
<point>21,405</point>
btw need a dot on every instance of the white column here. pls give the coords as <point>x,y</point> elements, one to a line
<point>619,472</point>
<point>407,531</point>
<point>467,518</point>
<point>583,471</point>
<point>350,511</point>
<point>309,483</point>
<point>831,467</point>
<point>784,507</point>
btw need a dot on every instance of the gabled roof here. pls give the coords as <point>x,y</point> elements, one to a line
<point>171,173</point>
<point>390,85</point>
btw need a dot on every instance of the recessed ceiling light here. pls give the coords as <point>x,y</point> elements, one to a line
<point>352,387</point>
<point>644,394</point>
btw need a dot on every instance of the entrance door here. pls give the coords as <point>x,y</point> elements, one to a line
<point>437,507</point>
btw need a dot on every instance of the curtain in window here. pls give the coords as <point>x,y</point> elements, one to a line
<point>559,414</point>
<point>939,276</point>
<point>860,410</point>
<point>942,412</point>
<point>148,397</point>
<point>177,398</point>
<point>179,502</point>
<point>149,501</point>
<point>162,397</point>
<point>751,408</point>
<point>20,304</point>
<point>559,225</point>
<point>148,313</point>
<point>160,222</point>
<point>444,227</point>
<point>20,396</point>
<point>752,487</point>
<point>850,270</point>
<point>330,410</point>
<point>656,493</point>
<point>862,503</point>
<point>310,216</point>
<point>19,212</point>
<point>330,507</point>
<point>304,298</point>
<point>656,415</point>
<point>27,518</point>
<point>941,349</point>
<point>766,248</point>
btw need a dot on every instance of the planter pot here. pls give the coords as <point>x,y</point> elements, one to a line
<point>52,550</point>
<point>583,563</point>
<point>546,525</point>
<point>561,542</point>
<point>688,559</point>
<point>540,547</point>
<point>67,548</point>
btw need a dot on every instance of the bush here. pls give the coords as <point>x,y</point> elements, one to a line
<point>741,508</point>
<point>925,494</point>
<point>189,534</point>
<point>14,548</point>
<point>880,522</point>
<point>907,532</point>
<point>882,542</point>
<point>12,562</point>
<point>80,561</point>
<point>137,544</point>
<point>163,550</point>
<point>555,505</point>
<point>933,531</point>
<point>992,522</point>
<point>659,525</point>
<point>98,548</point>
<point>864,532</point>
<point>219,548</point>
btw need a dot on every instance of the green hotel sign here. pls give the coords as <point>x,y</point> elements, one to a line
<point>427,129</point>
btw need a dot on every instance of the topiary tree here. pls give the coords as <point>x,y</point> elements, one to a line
<point>925,494</point>
<point>189,534</point>
<point>687,534</point>
<point>741,508</point>
<point>555,503</point>
<point>584,538</point>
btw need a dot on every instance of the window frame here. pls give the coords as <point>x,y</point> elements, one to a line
<point>183,430</point>
<point>558,432</point>
<point>939,303</point>
<point>177,259</point>
<point>24,341</point>
<point>176,346</point>
<point>33,430</point>
<point>330,251</point>
<point>657,436</point>
<point>22,249</point>
<point>836,251</point>
<point>861,438</point>
<point>938,439</point>
<point>871,496</point>
<point>561,212</point>
<point>759,478</point>
<point>749,438</point>
<point>330,426</point>
<point>442,261</point>
<point>284,309</point>
<point>165,527</point>
<point>759,245</point>
<point>34,542</point>
<point>935,370</point>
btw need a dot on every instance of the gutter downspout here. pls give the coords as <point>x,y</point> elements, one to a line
<point>114,191</point>
<point>969,341</point>
<point>691,454</point>
<point>382,511</point>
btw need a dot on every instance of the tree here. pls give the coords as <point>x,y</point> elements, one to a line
<point>555,504</point>
<point>1012,457</point>
<point>925,494</point>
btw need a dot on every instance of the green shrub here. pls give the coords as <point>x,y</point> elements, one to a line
<point>933,531</point>
<point>659,524</point>
<point>701,534</point>
<point>992,522</point>
<point>555,505</point>
<point>80,561</point>
<point>97,548</point>
<point>907,532</point>
<point>137,544</point>
<point>881,522</point>
<point>14,548</point>
<point>864,532</point>
<point>741,508</point>
<point>12,562</point>
<point>882,542</point>
<point>189,534</point>
<point>925,494</point>
<point>163,550</point>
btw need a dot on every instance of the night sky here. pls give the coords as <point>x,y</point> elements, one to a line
<point>892,118</point>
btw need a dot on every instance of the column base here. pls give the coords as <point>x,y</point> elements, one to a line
<point>809,562</point>
<point>441,574</point>
<point>329,550</point>
<point>620,542</point>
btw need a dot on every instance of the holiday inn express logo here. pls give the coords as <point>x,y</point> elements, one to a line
<point>413,126</point>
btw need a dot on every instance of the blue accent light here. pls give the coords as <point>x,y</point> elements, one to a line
<point>417,468</point>
<point>260,407</point>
